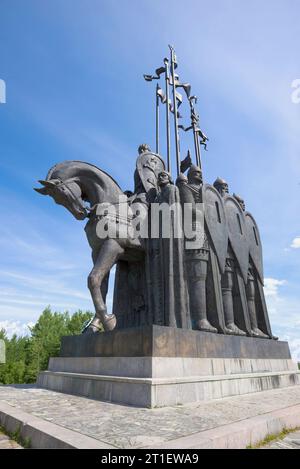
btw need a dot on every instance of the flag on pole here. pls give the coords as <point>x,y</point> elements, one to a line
<point>186,163</point>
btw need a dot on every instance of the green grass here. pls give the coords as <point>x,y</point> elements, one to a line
<point>273,437</point>
<point>16,436</point>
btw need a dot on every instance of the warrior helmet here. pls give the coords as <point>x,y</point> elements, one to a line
<point>165,173</point>
<point>143,148</point>
<point>240,201</point>
<point>221,185</point>
<point>194,169</point>
<point>181,180</point>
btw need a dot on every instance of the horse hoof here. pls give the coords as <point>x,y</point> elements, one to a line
<point>110,322</point>
<point>92,326</point>
<point>90,330</point>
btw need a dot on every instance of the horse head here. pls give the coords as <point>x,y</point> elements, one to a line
<point>73,183</point>
<point>66,193</point>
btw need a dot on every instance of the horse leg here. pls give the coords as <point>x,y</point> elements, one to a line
<point>104,287</point>
<point>105,281</point>
<point>104,261</point>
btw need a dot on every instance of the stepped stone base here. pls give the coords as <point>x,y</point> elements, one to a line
<point>160,366</point>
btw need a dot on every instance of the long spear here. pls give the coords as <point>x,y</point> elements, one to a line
<point>167,80</point>
<point>173,64</point>
<point>199,137</point>
<point>157,118</point>
<point>197,132</point>
<point>194,121</point>
<point>164,99</point>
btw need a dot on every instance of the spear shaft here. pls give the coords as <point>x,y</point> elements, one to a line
<point>197,146</point>
<point>175,111</point>
<point>157,119</point>
<point>196,143</point>
<point>195,127</point>
<point>167,78</point>
<point>199,163</point>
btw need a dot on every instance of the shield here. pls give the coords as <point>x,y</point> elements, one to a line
<point>255,246</point>
<point>216,222</point>
<point>237,233</point>
<point>148,166</point>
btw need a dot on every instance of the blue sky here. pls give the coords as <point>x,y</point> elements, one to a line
<point>73,72</point>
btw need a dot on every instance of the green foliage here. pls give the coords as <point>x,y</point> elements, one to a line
<point>75,322</point>
<point>16,436</point>
<point>27,356</point>
<point>271,437</point>
<point>14,368</point>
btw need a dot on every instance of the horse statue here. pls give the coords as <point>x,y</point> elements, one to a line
<point>73,184</point>
<point>156,277</point>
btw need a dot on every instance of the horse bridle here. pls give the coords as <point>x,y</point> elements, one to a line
<point>74,197</point>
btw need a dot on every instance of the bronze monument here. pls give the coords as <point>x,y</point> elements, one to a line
<point>189,268</point>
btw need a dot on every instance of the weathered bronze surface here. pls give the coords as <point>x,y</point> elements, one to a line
<point>160,341</point>
<point>215,286</point>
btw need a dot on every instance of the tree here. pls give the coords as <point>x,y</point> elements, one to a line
<point>13,371</point>
<point>27,356</point>
<point>76,322</point>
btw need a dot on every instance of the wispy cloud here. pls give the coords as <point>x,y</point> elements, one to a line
<point>53,284</point>
<point>38,264</point>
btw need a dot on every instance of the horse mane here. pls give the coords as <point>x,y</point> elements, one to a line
<point>69,164</point>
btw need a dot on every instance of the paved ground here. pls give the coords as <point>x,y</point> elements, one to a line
<point>128,427</point>
<point>6,443</point>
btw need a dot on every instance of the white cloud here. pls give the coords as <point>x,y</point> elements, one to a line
<point>284,312</point>
<point>15,327</point>
<point>294,344</point>
<point>296,243</point>
<point>291,335</point>
<point>271,286</point>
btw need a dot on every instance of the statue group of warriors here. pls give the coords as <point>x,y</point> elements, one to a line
<point>215,285</point>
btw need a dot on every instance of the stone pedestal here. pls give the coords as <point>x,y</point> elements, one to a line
<point>156,366</point>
